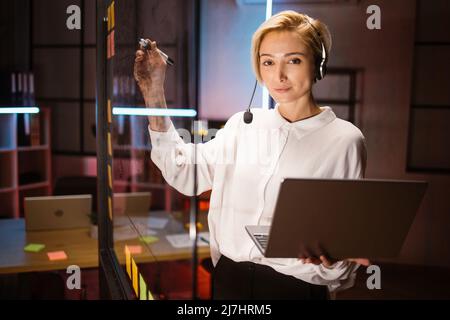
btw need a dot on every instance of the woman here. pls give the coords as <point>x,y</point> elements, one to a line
<point>245,162</point>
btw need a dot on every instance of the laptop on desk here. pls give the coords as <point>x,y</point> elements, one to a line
<point>340,218</point>
<point>57,212</point>
<point>132,203</point>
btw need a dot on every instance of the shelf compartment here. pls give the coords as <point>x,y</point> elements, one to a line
<point>158,195</point>
<point>8,201</point>
<point>31,130</point>
<point>36,191</point>
<point>145,170</point>
<point>7,173</point>
<point>139,132</point>
<point>33,166</point>
<point>7,134</point>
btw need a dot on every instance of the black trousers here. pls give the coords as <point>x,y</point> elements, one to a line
<point>246,280</point>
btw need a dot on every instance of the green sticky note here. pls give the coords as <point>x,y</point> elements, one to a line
<point>149,239</point>
<point>142,288</point>
<point>34,247</point>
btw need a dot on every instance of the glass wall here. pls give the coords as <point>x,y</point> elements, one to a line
<point>153,223</point>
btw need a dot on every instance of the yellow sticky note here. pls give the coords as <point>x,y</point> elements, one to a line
<point>110,176</point>
<point>128,260</point>
<point>34,247</point>
<point>109,111</point>
<point>142,288</point>
<point>109,144</point>
<point>109,18</point>
<point>135,277</point>
<point>148,239</point>
<point>110,207</point>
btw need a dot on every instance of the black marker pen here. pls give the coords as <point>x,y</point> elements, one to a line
<point>146,45</point>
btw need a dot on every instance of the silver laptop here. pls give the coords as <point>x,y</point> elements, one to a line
<point>57,212</point>
<point>340,218</point>
<point>132,203</point>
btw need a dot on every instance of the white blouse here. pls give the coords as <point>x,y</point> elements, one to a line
<point>244,165</point>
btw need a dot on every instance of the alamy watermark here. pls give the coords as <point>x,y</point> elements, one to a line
<point>73,21</point>
<point>74,280</point>
<point>374,280</point>
<point>373,22</point>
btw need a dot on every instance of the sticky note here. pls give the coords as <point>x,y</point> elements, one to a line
<point>112,49</point>
<point>108,47</point>
<point>135,277</point>
<point>33,247</point>
<point>112,15</point>
<point>110,207</point>
<point>199,226</point>
<point>135,249</point>
<point>56,255</point>
<point>128,260</point>
<point>142,288</point>
<point>109,111</point>
<point>109,176</point>
<point>109,143</point>
<point>148,239</point>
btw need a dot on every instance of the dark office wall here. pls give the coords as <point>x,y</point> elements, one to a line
<point>15,35</point>
<point>64,63</point>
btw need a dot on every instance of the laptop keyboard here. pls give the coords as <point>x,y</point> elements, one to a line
<point>262,239</point>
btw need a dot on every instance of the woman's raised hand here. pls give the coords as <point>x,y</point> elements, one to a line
<point>150,70</point>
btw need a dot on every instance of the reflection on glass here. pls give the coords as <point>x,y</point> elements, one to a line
<point>150,218</point>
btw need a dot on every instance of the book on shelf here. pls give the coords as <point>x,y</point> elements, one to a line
<point>35,131</point>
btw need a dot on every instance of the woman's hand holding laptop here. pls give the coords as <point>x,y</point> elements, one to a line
<point>328,262</point>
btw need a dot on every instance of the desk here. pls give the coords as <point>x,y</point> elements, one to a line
<point>81,249</point>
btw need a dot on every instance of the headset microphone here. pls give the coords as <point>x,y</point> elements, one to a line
<point>248,115</point>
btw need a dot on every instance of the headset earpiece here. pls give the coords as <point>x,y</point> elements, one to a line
<point>321,66</point>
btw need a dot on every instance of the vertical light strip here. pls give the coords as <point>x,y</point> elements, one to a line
<point>268,9</point>
<point>265,92</point>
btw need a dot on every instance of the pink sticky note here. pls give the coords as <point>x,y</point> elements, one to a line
<point>135,249</point>
<point>57,255</point>
<point>112,49</point>
<point>108,47</point>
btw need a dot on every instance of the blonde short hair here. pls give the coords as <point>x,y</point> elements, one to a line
<point>308,30</point>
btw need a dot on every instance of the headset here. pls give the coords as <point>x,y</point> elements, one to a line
<point>321,70</point>
<point>321,64</point>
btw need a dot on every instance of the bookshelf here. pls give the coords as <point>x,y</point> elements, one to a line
<point>133,170</point>
<point>25,160</point>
